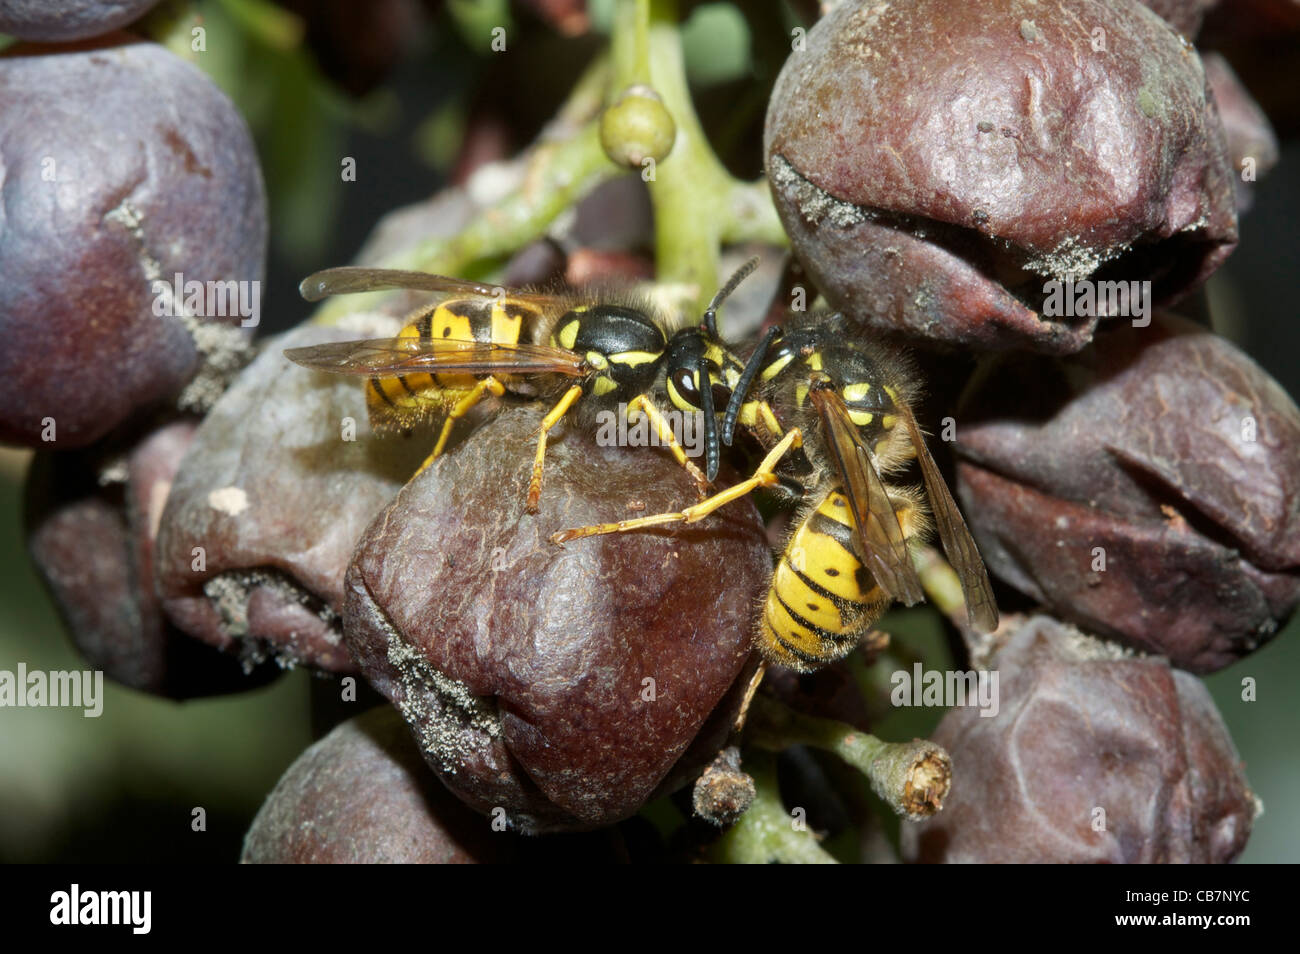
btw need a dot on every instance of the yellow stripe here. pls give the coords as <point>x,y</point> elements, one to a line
<point>447,324</point>
<point>418,382</point>
<point>804,600</point>
<point>826,563</point>
<point>776,367</point>
<point>505,329</point>
<point>679,402</point>
<point>778,619</point>
<point>856,392</point>
<point>567,336</point>
<point>860,418</point>
<point>634,357</point>
<point>393,388</point>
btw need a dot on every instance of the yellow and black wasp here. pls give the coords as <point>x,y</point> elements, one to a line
<point>835,416</point>
<point>584,353</point>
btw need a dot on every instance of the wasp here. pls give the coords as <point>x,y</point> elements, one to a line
<point>583,353</point>
<point>834,415</point>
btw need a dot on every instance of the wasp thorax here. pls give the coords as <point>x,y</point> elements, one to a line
<point>870,404</point>
<point>622,344</point>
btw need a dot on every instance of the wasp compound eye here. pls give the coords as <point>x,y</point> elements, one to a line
<point>684,381</point>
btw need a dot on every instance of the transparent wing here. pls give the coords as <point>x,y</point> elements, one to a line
<point>349,279</point>
<point>981,606</point>
<point>396,356</point>
<point>878,529</point>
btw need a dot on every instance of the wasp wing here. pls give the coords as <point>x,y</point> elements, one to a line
<point>981,607</point>
<point>380,357</point>
<point>880,534</point>
<point>349,279</point>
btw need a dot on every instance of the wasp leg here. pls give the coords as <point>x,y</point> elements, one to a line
<point>549,421</point>
<point>463,407</point>
<point>750,691</point>
<point>666,437</point>
<point>763,477</point>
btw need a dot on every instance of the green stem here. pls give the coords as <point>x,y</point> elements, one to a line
<point>767,833</point>
<point>272,25</point>
<point>171,25</point>
<point>698,205</point>
<point>942,586</point>
<point>911,777</point>
<point>565,164</point>
<point>641,32</point>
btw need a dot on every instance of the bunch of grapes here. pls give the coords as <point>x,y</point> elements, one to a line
<point>1030,203</point>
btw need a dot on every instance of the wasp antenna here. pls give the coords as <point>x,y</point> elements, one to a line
<point>712,453</point>
<point>711,313</point>
<point>744,383</point>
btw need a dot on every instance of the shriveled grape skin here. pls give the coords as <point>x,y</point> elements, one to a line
<point>123,166</point>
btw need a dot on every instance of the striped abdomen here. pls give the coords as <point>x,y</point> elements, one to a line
<point>822,600</point>
<point>399,402</point>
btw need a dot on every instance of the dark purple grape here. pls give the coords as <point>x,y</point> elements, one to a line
<point>124,166</point>
<point>62,20</point>
<point>1143,489</point>
<point>1094,755</point>
<point>938,162</point>
<point>565,686</point>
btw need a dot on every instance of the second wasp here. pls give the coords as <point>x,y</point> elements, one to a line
<point>834,414</point>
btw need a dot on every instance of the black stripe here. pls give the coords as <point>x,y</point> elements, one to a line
<point>844,536</point>
<point>817,631</point>
<point>409,390</point>
<point>425,325</point>
<point>374,383</point>
<point>462,307</point>
<point>841,603</point>
<point>477,311</point>
<point>841,533</point>
<point>480,325</point>
<point>793,650</point>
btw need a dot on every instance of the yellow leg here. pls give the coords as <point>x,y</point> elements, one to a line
<point>463,407</point>
<point>548,422</point>
<point>642,403</point>
<point>763,477</point>
<point>750,691</point>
